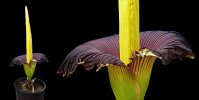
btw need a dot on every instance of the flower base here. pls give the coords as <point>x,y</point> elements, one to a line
<point>25,94</point>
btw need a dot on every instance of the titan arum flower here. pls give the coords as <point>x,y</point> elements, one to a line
<point>29,60</point>
<point>129,56</point>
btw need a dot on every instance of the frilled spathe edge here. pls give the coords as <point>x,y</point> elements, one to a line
<point>20,60</point>
<point>168,44</point>
<point>102,52</point>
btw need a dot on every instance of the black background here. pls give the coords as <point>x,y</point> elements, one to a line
<point>59,26</point>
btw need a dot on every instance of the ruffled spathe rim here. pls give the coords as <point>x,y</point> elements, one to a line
<point>167,45</point>
<point>20,60</point>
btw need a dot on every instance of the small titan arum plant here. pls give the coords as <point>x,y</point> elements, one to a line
<point>29,60</point>
<point>129,56</point>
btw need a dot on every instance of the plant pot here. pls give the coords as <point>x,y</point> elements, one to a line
<point>39,85</point>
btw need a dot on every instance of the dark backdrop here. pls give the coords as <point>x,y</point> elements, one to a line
<point>59,26</point>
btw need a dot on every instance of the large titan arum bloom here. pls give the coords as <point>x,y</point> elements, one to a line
<point>128,56</point>
<point>29,60</point>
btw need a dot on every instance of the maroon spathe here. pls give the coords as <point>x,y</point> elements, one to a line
<point>167,44</point>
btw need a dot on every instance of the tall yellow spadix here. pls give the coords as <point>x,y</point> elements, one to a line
<point>128,28</point>
<point>28,37</point>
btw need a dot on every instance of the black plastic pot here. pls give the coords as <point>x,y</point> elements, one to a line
<point>21,95</point>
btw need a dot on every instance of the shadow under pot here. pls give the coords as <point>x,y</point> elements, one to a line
<point>25,93</point>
